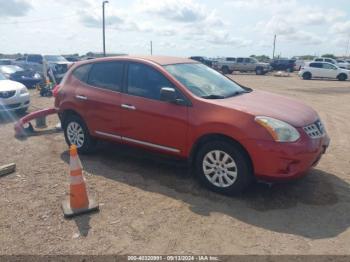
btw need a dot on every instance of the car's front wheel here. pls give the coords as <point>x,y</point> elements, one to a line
<point>342,77</point>
<point>307,76</point>
<point>223,167</point>
<point>77,133</point>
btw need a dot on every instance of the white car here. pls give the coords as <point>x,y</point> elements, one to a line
<point>14,96</point>
<point>326,59</point>
<point>343,64</point>
<point>323,70</point>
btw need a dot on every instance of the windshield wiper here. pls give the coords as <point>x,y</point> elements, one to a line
<point>237,93</point>
<point>213,97</point>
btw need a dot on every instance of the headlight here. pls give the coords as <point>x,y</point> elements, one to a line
<point>279,130</point>
<point>36,76</point>
<point>23,91</point>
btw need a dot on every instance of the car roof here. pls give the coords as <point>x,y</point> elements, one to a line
<point>160,60</point>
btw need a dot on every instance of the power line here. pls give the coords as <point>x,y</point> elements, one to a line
<point>37,20</point>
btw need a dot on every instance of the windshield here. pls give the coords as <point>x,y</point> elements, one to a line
<point>203,81</point>
<point>2,77</point>
<point>55,58</point>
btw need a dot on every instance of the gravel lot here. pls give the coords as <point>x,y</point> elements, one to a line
<point>151,205</point>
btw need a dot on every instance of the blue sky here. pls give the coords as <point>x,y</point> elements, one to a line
<point>176,27</point>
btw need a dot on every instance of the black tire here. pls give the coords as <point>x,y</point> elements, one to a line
<point>225,70</point>
<point>243,167</point>
<point>342,77</point>
<point>307,76</point>
<point>259,71</point>
<point>21,111</point>
<point>89,143</point>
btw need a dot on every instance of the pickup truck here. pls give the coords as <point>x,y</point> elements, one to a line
<point>242,64</point>
<point>34,62</point>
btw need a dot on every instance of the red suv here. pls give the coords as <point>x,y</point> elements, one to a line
<point>230,134</point>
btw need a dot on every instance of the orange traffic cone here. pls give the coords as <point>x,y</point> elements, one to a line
<point>79,201</point>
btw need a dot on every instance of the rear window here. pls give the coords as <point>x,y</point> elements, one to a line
<point>107,75</point>
<point>82,72</point>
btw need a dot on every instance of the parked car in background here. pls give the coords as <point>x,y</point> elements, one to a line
<point>343,64</point>
<point>72,59</point>
<point>299,63</point>
<point>283,64</point>
<point>225,65</point>
<point>14,96</point>
<point>29,78</point>
<point>8,70</point>
<point>325,59</point>
<point>57,63</point>
<point>6,61</point>
<point>229,133</point>
<point>323,70</point>
<point>250,64</point>
<point>203,60</point>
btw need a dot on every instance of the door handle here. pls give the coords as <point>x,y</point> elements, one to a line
<point>81,97</point>
<point>129,107</point>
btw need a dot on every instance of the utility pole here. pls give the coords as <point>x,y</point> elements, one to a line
<point>104,27</point>
<point>347,47</point>
<point>274,47</point>
<point>151,48</point>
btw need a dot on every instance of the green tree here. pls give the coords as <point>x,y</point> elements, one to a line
<point>261,58</point>
<point>329,56</point>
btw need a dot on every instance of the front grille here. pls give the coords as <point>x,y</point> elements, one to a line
<point>10,106</point>
<point>7,94</point>
<point>315,130</point>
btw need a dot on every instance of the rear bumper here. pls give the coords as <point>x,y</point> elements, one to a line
<point>18,101</point>
<point>275,161</point>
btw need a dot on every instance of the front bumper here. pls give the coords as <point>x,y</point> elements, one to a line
<point>274,161</point>
<point>16,102</point>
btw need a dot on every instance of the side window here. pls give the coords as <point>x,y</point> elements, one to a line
<point>328,66</point>
<point>316,65</point>
<point>145,81</point>
<point>107,75</point>
<point>231,59</point>
<point>329,61</point>
<point>240,60</point>
<point>319,59</point>
<point>247,60</point>
<point>82,72</point>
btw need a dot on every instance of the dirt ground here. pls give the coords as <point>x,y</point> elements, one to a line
<point>151,205</point>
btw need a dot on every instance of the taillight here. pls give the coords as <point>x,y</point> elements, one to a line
<point>55,90</point>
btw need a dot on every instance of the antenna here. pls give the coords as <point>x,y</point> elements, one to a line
<point>274,46</point>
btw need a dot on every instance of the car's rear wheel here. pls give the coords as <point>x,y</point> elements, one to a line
<point>77,133</point>
<point>225,70</point>
<point>342,77</point>
<point>259,71</point>
<point>307,76</point>
<point>223,167</point>
<point>22,111</point>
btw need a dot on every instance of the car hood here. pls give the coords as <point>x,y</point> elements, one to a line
<point>9,85</point>
<point>259,103</point>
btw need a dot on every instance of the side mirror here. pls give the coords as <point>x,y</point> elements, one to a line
<point>168,94</point>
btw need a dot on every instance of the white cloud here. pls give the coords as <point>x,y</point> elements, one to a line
<point>14,8</point>
<point>341,28</point>
<point>177,10</point>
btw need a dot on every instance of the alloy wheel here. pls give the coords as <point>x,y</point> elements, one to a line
<point>219,168</point>
<point>75,134</point>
